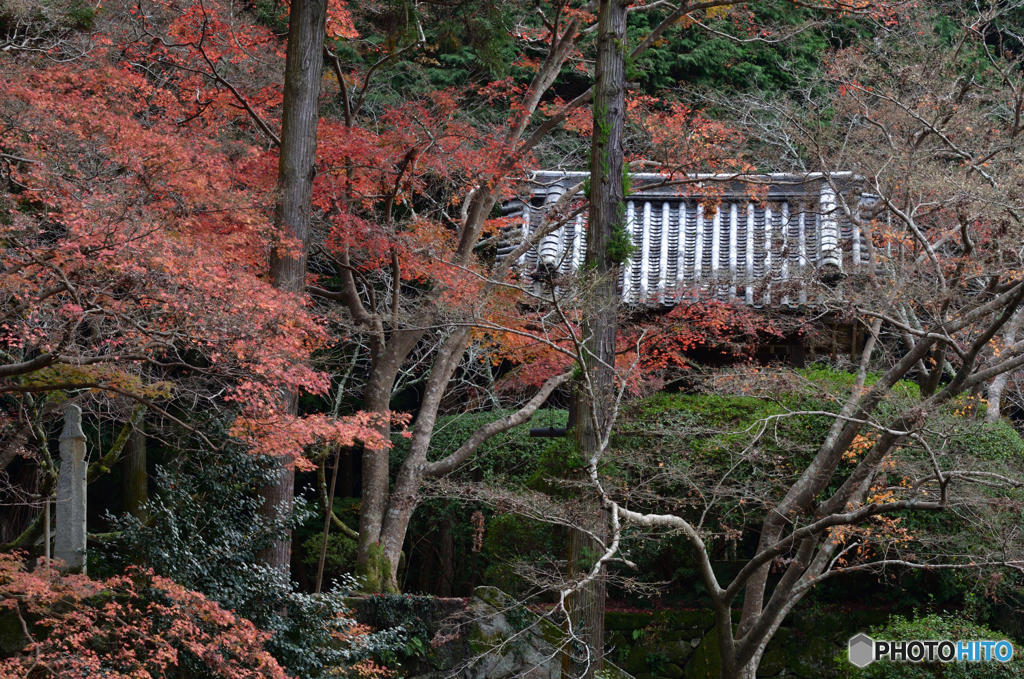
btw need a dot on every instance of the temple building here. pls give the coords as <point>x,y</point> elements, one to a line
<point>756,240</point>
<point>763,240</point>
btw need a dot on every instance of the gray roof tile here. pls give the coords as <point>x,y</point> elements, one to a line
<point>712,237</point>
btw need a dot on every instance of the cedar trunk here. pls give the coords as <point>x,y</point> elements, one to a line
<point>296,169</point>
<point>600,305</point>
<point>134,481</point>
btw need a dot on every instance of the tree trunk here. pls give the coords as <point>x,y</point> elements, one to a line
<point>600,299</point>
<point>998,383</point>
<point>446,559</point>
<point>583,655</point>
<point>749,671</point>
<point>134,480</point>
<point>296,169</point>
<point>371,567</point>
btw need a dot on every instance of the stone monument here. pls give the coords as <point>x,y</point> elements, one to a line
<point>69,541</point>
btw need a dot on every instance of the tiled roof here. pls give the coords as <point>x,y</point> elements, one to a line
<point>715,238</point>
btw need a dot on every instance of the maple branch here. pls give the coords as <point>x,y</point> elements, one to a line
<point>346,104</point>
<point>49,358</point>
<point>878,565</point>
<point>553,225</point>
<point>396,273</point>
<point>37,363</point>
<point>445,465</point>
<point>217,77</point>
<point>802,29</point>
<point>817,528</point>
<point>347,294</point>
<point>241,100</point>
<point>37,260</point>
<point>699,548</point>
<point>19,159</point>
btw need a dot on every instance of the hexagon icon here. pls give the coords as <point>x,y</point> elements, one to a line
<point>862,650</point>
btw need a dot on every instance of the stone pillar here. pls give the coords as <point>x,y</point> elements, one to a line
<point>69,541</point>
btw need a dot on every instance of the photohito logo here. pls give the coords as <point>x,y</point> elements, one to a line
<point>864,650</point>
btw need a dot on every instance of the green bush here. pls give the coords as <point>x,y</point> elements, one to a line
<point>954,627</point>
<point>205,532</point>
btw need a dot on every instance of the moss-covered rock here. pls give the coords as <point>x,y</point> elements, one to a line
<point>815,660</point>
<point>615,640</point>
<point>675,651</point>
<point>12,639</point>
<point>773,661</point>
<point>510,639</point>
<point>612,671</point>
<point>626,621</point>
<point>685,620</point>
<point>705,662</point>
<point>827,624</point>
<point>636,661</point>
<point>671,670</point>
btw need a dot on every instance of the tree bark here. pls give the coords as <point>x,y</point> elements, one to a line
<point>295,173</point>
<point>585,606</point>
<point>405,497</point>
<point>374,494</point>
<point>998,384</point>
<point>446,559</point>
<point>600,299</point>
<point>134,480</point>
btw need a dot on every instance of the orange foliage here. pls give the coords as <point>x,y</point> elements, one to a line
<point>136,248</point>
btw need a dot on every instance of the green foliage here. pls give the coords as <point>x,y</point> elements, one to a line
<point>205,529</point>
<point>272,15</point>
<point>723,57</point>
<point>81,15</point>
<point>205,532</point>
<point>46,17</point>
<point>512,459</point>
<point>941,626</point>
<point>462,43</point>
<point>340,556</point>
<point>415,617</point>
<point>997,441</point>
<point>620,245</point>
<point>560,459</point>
<point>692,438</point>
<point>842,381</point>
<point>506,458</point>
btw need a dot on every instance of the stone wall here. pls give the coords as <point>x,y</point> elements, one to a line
<point>683,644</point>
<point>491,637</point>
